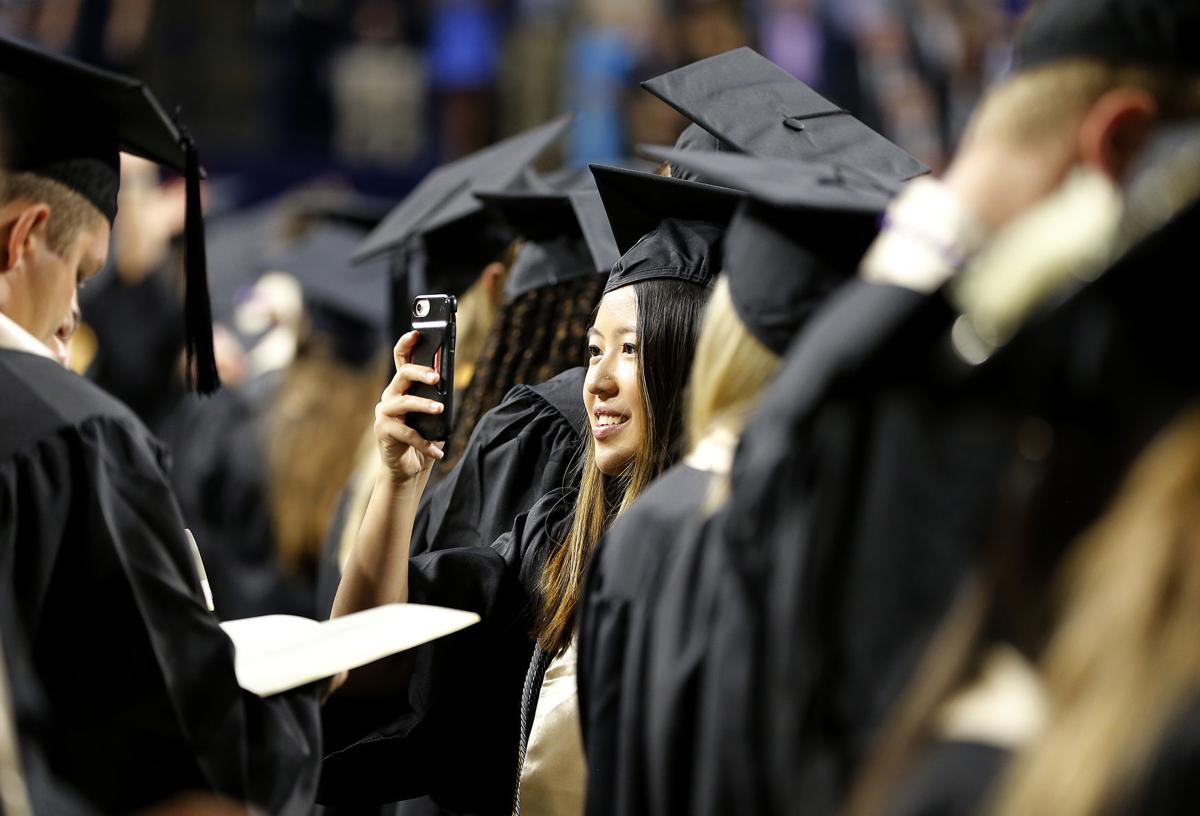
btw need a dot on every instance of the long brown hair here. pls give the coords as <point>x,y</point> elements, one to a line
<point>668,314</point>
<point>312,435</point>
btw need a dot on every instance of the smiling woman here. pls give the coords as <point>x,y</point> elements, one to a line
<point>526,587</point>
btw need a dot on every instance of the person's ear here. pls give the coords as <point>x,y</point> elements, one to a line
<point>16,239</point>
<point>1115,130</point>
<point>493,280</point>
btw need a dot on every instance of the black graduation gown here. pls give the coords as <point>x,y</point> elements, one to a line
<point>135,671</point>
<point>519,451</point>
<point>139,339</point>
<point>219,471</point>
<point>878,469</point>
<point>527,446</point>
<point>453,733</point>
<point>614,635</point>
<point>760,572</point>
<point>951,778</point>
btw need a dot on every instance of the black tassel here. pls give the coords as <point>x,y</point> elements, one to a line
<point>201,366</point>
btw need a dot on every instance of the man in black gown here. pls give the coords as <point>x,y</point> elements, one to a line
<point>134,672</point>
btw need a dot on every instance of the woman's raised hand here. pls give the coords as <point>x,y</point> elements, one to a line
<point>404,452</point>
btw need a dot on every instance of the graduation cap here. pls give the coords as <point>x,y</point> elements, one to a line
<point>1139,32</point>
<point>676,249</point>
<point>348,304</point>
<point>636,202</point>
<point>753,106</point>
<point>446,195</point>
<point>341,206</point>
<point>68,122</point>
<point>442,231</point>
<point>800,233</point>
<point>565,228</point>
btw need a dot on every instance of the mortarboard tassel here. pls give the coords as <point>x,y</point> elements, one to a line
<point>202,374</point>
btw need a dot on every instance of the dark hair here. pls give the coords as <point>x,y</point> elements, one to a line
<point>668,313</point>
<point>537,335</point>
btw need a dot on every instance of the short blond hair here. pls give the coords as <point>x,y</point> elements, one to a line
<point>1041,103</point>
<point>70,212</point>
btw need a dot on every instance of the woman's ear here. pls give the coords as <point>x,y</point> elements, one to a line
<point>1115,130</point>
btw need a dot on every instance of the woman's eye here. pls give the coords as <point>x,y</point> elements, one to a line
<point>593,351</point>
<point>629,348</point>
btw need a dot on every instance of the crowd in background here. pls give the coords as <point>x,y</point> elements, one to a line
<point>279,91</point>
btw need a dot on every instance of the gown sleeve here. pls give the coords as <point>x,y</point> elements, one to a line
<point>521,450</point>
<point>137,673</point>
<point>453,733</point>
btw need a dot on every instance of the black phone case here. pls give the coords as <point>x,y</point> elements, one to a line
<point>435,349</point>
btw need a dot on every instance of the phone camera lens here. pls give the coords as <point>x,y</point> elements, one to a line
<point>421,308</point>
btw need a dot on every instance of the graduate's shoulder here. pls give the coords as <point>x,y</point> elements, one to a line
<point>558,398</point>
<point>38,386</point>
<point>646,534</point>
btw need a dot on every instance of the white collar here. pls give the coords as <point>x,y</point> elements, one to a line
<point>714,452</point>
<point>13,336</point>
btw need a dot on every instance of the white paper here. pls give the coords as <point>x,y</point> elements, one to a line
<point>275,653</point>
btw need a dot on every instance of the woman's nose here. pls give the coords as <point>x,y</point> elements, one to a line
<point>600,380</point>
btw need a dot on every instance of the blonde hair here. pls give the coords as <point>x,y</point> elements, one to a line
<point>1123,659</point>
<point>731,369</point>
<point>1040,104</point>
<point>70,212</point>
<point>1126,656</point>
<point>476,316</point>
<point>312,437</point>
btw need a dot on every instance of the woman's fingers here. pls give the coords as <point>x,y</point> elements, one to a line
<point>402,351</point>
<point>407,374</point>
<point>397,431</point>
<point>399,405</point>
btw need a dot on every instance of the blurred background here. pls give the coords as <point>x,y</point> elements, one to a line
<point>375,92</point>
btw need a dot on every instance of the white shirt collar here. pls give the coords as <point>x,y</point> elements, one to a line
<point>12,336</point>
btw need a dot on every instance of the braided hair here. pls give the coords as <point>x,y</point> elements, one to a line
<point>537,335</point>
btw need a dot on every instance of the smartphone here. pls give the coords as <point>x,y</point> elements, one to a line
<point>434,317</point>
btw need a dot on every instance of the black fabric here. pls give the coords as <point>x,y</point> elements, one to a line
<point>1131,32</point>
<point>782,265</point>
<point>636,202</point>
<point>219,470</point>
<point>527,446</point>
<point>568,215</point>
<point>1171,784</point>
<point>877,472</point>
<point>951,778</point>
<point>753,105</point>
<point>457,740</point>
<point>679,250</point>
<point>136,672</point>
<point>615,646</point>
<point>139,337</point>
<point>695,137</point>
<point>817,184</point>
<point>547,262</point>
